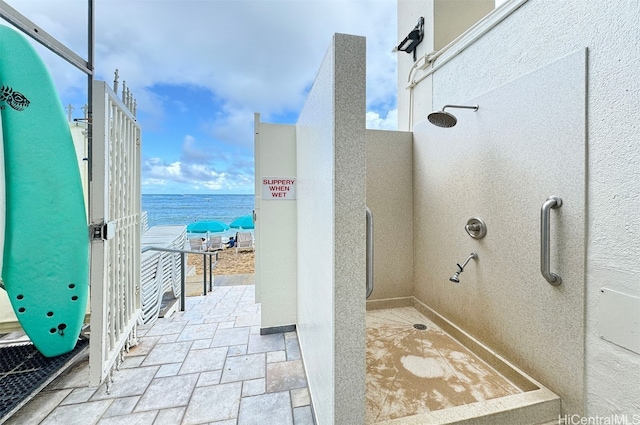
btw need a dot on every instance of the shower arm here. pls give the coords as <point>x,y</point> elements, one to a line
<point>474,107</point>
<point>461,267</point>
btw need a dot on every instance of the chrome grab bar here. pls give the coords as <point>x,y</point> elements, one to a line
<point>369,252</point>
<point>545,241</point>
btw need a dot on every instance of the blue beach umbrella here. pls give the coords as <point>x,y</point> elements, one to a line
<point>244,222</point>
<point>207,226</point>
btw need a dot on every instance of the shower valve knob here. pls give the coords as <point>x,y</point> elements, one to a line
<point>476,228</point>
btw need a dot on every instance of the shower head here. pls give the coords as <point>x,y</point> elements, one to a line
<point>442,119</point>
<point>456,276</point>
<point>445,119</point>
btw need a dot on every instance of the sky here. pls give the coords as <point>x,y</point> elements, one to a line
<point>200,69</point>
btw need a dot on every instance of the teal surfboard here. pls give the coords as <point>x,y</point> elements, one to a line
<point>46,238</point>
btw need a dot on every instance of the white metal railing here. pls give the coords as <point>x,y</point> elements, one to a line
<point>115,220</point>
<point>144,224</point>
<point>161,271</point>
<point>208,265</point>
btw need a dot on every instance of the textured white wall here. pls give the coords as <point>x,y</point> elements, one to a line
<point>316,239</point>
<point>331,233</point>
<point>350,227</point>
<point>535,34</point>
<point>492,166</point>
<point>276,225</point>
<point>390,199</point>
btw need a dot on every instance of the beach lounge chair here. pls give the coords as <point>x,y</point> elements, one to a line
<point>215,243</point>
<point>197,244</point>
<point>244,240</point>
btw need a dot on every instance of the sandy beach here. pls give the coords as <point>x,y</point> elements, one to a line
<point>228,262</point>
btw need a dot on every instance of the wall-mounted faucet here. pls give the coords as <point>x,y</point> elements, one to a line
<point>456,276</point>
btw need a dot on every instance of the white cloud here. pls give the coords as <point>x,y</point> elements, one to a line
<point>252,55</point>
<point>258,54</point>
<point>159,174</point>
<point>234,126</point>
<point>191,153</point>
<point>376,122</point>
<point>199,169</point>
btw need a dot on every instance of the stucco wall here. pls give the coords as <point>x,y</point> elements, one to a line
<point>330,136</point>
<point>535,34</point>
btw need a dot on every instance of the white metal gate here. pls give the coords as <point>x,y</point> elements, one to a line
<point>115,218</point>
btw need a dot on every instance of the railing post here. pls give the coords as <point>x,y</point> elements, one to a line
<point>204,274</point>
<point>211,271</point>
<point>183,279</point>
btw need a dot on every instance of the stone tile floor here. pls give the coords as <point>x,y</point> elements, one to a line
<point>207,365</point>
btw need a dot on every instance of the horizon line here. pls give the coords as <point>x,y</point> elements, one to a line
<point>208,194</point>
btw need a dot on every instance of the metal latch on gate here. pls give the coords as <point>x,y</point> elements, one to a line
<point>102,231</point>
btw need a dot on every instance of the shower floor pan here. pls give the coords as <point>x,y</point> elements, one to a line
<point>421,369</point>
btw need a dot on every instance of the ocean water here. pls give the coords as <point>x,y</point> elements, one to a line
<point>185,209</point>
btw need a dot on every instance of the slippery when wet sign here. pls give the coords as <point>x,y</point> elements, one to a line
<point>278,188</point>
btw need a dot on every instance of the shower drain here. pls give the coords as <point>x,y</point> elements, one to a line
<point>420,326</point>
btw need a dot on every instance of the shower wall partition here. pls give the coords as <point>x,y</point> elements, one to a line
<point>331,270</point>
<point>525,143</point>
